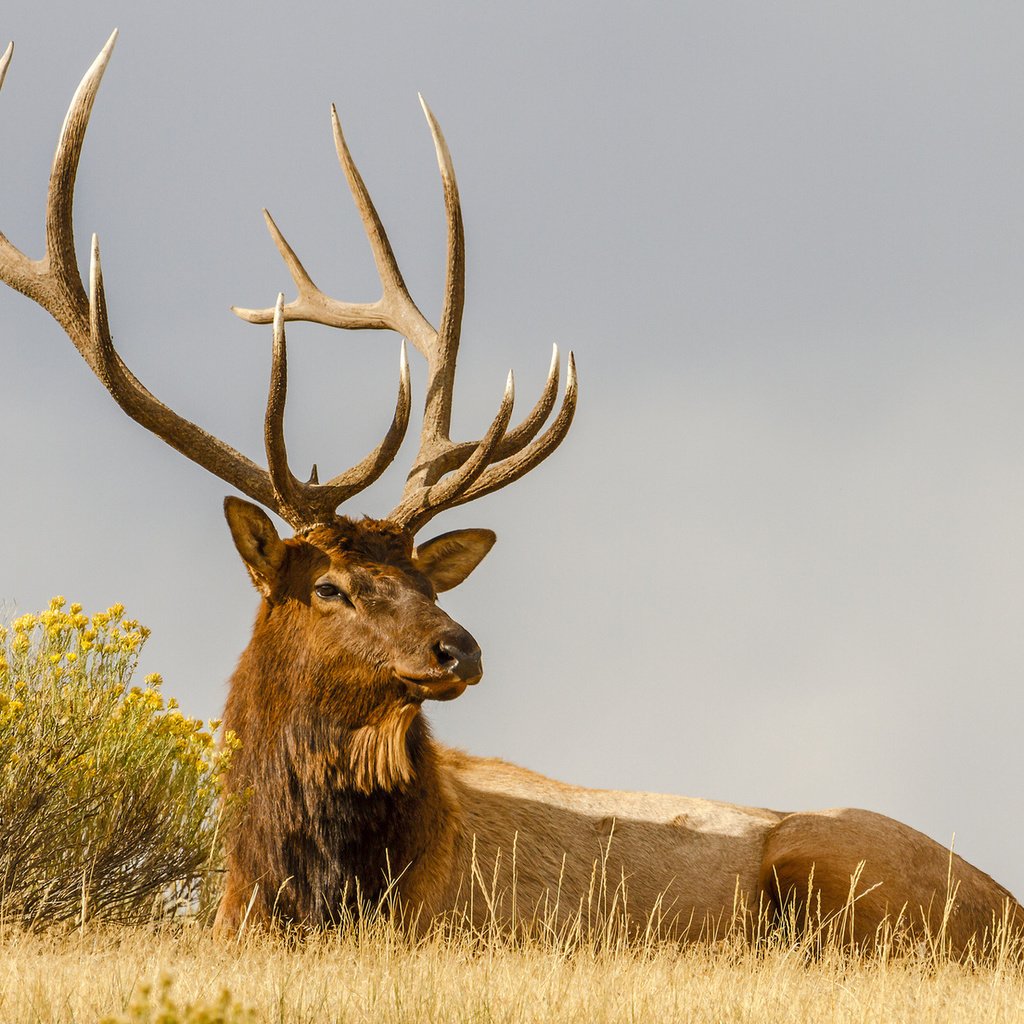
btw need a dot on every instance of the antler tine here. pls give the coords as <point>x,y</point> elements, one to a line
<point>5,60</point>
<point>285,485</point>
<point>486,468</point>
<point>437,413</point>
<point>394,310</point>
<point>14,265</point>
<point>527,430</point>
<point>54,281</point>
<point>517,438</point>
<point>60,240</point>
<point>304,505</point>
<point>514,466</point>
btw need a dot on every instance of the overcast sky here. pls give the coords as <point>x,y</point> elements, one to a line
<point>780,558</point>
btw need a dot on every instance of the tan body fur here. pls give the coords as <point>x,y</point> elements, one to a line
<point>511,848</point>
<point>683,862</point>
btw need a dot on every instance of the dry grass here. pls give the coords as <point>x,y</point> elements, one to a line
<point>374,974</point>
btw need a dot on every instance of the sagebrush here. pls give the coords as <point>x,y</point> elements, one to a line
<point>109,796</point>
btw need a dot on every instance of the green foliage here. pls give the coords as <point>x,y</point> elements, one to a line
<point>108,795</point>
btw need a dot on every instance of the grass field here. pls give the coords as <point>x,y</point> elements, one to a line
<point>174,974</point>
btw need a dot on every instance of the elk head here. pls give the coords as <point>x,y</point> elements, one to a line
<point>362,594</point>
<point>363,601</point>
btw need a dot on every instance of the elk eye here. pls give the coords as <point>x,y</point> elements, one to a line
<point>329,592</point>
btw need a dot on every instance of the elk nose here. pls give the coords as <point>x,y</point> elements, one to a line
<point>461,658</point>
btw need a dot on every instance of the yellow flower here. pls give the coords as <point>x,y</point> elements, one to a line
<point>155,679</point>
<point>56,603</point>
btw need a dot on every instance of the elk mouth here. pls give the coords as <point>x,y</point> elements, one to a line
<point>438,685</point>
<point>446,687</point>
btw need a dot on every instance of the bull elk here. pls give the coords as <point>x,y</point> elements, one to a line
<point>351,799</point>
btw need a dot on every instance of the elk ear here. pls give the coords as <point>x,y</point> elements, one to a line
<point>257,541</point>
<point>447,560</point>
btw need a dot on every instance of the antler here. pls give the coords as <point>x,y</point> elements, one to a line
<point>445,473</point>
<point>55,283</point>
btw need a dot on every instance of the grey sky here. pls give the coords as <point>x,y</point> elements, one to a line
<point>780,558</point>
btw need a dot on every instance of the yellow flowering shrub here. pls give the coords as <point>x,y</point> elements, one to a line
<point>108,794</point>
<point>156,1005</point>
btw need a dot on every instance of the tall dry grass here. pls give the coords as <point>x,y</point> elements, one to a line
<point>596,969</point>
<point>374,973</point>
<point>597,966</point>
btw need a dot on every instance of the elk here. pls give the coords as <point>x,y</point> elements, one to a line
<point>351,801</point>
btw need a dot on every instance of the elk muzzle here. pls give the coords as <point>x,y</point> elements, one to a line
<point>455,662</point>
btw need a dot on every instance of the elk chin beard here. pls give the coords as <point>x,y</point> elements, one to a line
<point>378,754</point>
